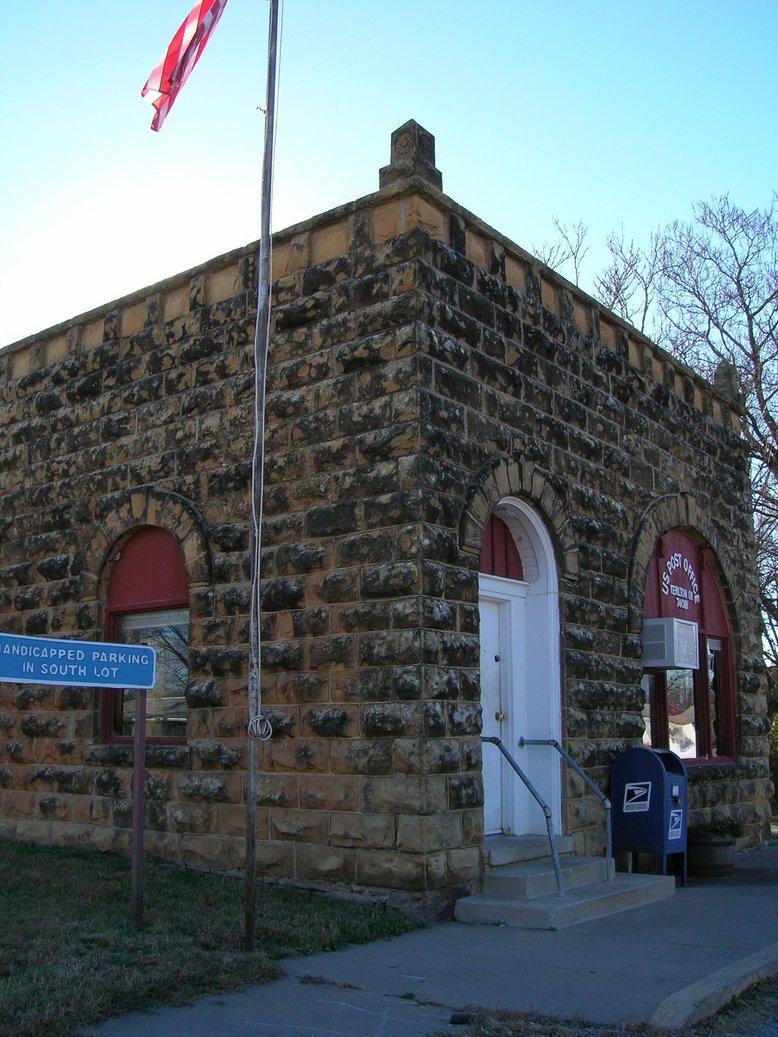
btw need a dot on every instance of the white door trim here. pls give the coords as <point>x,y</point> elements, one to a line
<point>530,673</point>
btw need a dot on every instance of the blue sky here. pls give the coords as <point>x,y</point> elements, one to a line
<point>612,113</point>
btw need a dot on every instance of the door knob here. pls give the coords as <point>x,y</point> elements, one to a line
<point>499,716</point>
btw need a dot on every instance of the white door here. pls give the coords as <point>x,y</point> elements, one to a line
<point>502,626</point>
<point>493,688</point>
<point>503,698</point>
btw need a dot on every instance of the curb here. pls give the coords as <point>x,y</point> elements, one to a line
<point>701,999</point>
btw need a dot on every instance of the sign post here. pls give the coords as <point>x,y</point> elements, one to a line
<point>138,810</point>
<point>93,664</point>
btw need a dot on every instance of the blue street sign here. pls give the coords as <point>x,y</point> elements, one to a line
<point>86,664</point>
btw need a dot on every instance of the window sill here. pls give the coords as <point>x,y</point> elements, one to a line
<point>702,768</point>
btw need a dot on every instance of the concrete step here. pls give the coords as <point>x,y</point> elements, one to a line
<point>579,904</point>
<point>499,850</point>
<point>537,878</point>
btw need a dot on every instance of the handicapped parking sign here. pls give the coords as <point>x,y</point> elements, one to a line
<point>81,664</point>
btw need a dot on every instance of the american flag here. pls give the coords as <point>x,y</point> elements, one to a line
<point>177,62</point>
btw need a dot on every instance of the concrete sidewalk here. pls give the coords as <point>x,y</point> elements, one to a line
<point>667,964</point>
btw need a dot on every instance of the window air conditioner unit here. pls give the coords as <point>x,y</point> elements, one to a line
<point>670,644</point>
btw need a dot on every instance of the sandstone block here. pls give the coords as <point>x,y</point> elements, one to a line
<point>472,828</point>
<point>54,808</point>
<point>212,752</point>
<point>408,756</point>
<point>18,805</point>
<point>403,794</point>
<point>436,870</point>
<point>275,859</point>
<point>391,718</point>
<point>109,839</point>
<point>207,851</point>
<point>329,242</point>
<point>325,864</point>
<point>190,817</point>
<point>387,221</point>
<point>391,869</point>
<point>30,830</point>
<point>424,834</point>
<point>161,846</point>
<point>278,790</point>
<point>310,826</point>
<point>464,865</point>
<point>329,792</point>
<point>72,833</point>
<point>295,754</point>
<point>441,756</point>
<point>361,756</point>
<point>7,828</point>
<point>465,790</point>
<point>362,830</point>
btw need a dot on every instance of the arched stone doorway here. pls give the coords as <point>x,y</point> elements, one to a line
<point>520,678</point>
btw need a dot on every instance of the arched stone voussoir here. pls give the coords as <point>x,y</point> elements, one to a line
<point>505,477</point>
<point>125,513</point>
<point>481,499</point>
<point>471,533</point>
<point>200,569</point>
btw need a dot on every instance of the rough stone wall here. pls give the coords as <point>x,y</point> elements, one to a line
<point>132,416</point>
<point>423,367</point>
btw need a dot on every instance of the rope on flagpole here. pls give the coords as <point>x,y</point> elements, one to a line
<point>258,726</point>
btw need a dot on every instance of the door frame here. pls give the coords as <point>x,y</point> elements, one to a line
<point>532,675</point>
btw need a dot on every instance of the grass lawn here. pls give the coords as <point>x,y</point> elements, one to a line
<point>70,957</point>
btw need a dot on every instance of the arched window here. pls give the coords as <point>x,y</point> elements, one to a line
<point>688,679</point>
<point>499,554</point>
<point>148,603</point>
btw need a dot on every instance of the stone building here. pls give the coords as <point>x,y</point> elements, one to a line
<point>479,485</point>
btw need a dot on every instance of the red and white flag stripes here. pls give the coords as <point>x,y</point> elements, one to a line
<point>185,48</point>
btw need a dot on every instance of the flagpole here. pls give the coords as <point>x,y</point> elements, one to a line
<point>257,726</point>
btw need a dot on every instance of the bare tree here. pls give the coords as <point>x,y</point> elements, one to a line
<point>718,299</point>
<point>707,291</point>
<point>567,250</point>
<point>719,303</point>
<point>766,528</point>
<point>629,284</point>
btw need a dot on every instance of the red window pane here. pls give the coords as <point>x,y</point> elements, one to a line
<point>148,599</point>
<point>499,554</point>
<point>692,712</point>
<point>149,573</point>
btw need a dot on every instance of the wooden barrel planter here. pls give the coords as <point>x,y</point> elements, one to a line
<point>710,854</point>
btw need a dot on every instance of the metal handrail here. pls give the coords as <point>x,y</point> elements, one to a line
<point>582,774</point>
<point>544,806</point>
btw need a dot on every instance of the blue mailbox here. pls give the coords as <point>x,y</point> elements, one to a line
<point>648,794</point>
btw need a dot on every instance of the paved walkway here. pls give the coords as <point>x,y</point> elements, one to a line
<point>667,964</point>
